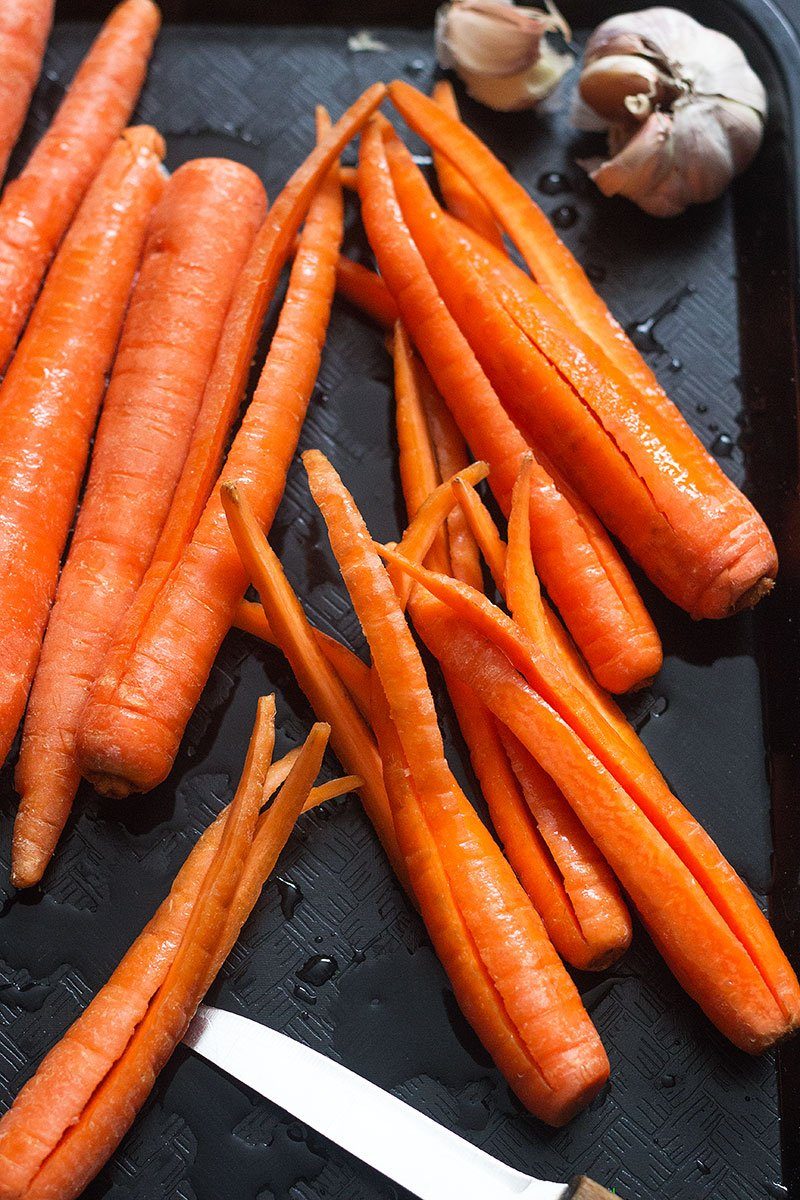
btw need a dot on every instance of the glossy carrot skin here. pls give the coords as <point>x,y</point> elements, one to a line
<point>24,29</point>
<point>38,206</point>
<point>366,291</point>
<point>50,397</point>
<point>459,195</point>
<point>198,238</point>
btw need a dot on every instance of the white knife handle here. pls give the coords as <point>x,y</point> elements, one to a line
<point>582,1188</point>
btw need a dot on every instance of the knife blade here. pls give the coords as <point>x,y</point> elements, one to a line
<point>412,1150</point>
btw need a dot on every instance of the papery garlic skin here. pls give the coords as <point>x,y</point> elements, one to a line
<point>500,51</point>
<point>685,111</point>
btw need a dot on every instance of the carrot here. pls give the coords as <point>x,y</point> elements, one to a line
<point>197,578</point>
<point>197,242</point>
<point>50,398</point>
<point>54,1098</point>
<point>352,740</point>
<point>483,528</point>
<point>667,499</point>
<point>24,29</point>
<point>366,291</point>
<point>331,790</point>
<point>599,604</point>
<point>539,1003</point>
<point>460,197</point>
<point>348,177</point>
<point>522,591</point>
<point>37,207</point>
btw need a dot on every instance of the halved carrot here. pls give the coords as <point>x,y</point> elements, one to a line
<point>135,718</point>
<point>366,290</point>
<point>459,195</point>
<point>37,207</point>
<point>542,1006</point>
<point>599,605</point>
<point>198,239</point>
<point>50,397</point>
<point>483,528</point>
<point>24,29</point>
<point>522,591</point>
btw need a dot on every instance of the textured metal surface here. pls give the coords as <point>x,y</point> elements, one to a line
<point>685,1115</point>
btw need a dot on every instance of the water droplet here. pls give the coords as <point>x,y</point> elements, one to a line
<point>722,445</point>
<point>777,1190</point>
<point>422,160</point>
<point>318,969</point>
<point>564,217</point>
<point>290,895</point>
<point>642,333</point>
<point>675,364</point>
<point>660,706</point>
<point>359,956</point>
<point>295,1132</point>
<point>595,272</point>
<point>553,182</point>
<point>304,993</point>
<point>702,408</point>
<point>416,66</point>
<point>713,427</point>
<point>702,1167</point>
<point>668,1081</point>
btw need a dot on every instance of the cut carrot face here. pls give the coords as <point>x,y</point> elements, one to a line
<point>24,29</point>
<point>198,239</point>
<point>460,197</point>
<point>366,291</point>
<point>51,394</point>
<point>37,207</point>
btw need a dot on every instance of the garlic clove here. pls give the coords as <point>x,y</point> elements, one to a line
<point>487,37</point>
<point>513,93</point>
<point>620,86</point>
<point>640,168</point>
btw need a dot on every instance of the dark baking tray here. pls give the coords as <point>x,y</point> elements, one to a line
<point>333,955</point>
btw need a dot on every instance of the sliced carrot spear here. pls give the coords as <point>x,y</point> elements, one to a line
<point>348,177</point>
<point>542,1008</point>
<point>198,239</point>
<point>522,591</point>
<point>135,719</point>
<point>460,197</point>
<point>38,206</point>
<point>598,603</point>
<point>51,394</point>
<point>483,528</point>
<point>24,29</point>
<point>366,291</point>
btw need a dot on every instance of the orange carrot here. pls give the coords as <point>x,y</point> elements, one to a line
<point>50,398</point>
<point>331,790</point>
<point>366,291</point>
<point>352,740</point>
<point>24,29</point>
<point>199,580</point>
<point>38,206</point>
<point>197,242</point>
<point>483,529</point>
<point>459,195</point>
<point>542,1009</point>
<point>348,177</point>
<point>522,591</point>
<point>597,600</point>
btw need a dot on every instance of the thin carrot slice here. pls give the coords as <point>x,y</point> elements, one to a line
<point>352,740</point>
<point>483,529</point>
<point>522,591</point>
<point>348,177</point>
<point>24,29</point>
<point>460,197</point>
<point>50,397</point>
<point>601,614</point>
<point>366,291</point>
<point>331,790</point>
<point>539,998</point>
<point>38,206</point>
<point>198,239</point>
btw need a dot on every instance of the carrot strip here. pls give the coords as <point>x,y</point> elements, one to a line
<point>483,529</point>
<point>366,290</point>
<point>331,790</point>
<point>38,206</point>
<point>54,1098</point>
<point>601,615</point>
<point>542,1006</point>
<point>135,718</point>
<point>24,29</point>
<point>352,740</point>
<point>198,239</point>
<point>50,398</point>
<point>460,197</point>
<point>522,591</point>
<point>348,177</point>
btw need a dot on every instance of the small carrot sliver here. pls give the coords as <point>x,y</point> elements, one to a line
<point>482,528</point>
<point>366,290</point>
<point>460,197</point>
<point>24,29</point>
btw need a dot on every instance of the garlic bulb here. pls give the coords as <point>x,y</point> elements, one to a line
<point>500,50</point>
<point>684,110</point>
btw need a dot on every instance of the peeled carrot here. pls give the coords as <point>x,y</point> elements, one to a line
<point>24,29</point>
<point>540,1007</point>
<point>38,206</point>
<point>135,718</point>
<point>348,177</point>
<point>579,566</point>
<point>198,239</point>
<point>482,528</point>
<point>460,197</point>
<point>50,396</point>
<point>522,591</point>
<point>366,291</point>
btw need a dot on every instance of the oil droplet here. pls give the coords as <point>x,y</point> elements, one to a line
<point>702,1167</point>
<point>318,969</point>
<point>359,956</point>
<point>713,427</point>
<point>777,1190</point>
<point>702,408</point>
<point>416,66</point>
<point>595,272</point>
<point>667,1081</point>
<point>422,160</point>
<point>304,993</point>
<point>290,895</point>
<point>564,217</point>
<point>722,445</point>
<point>553,182</point>
<point>659,707</point>
<point>675,364</point>
<point>642,333</point>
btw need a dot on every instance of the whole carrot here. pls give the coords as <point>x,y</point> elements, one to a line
<point>24,29</point>
<point>366,291</point>
<point>37,207</point>
<point>459,195</point>
<point>51,394</point>
<point>197,242</point>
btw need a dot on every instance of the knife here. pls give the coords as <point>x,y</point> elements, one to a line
<point>422,1156</point>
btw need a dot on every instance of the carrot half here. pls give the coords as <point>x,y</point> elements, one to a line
<point>198,238</point>
<point>135,718</point>
<point>366,290</point>
<point>578,564</point>
<point>460,197</point>
<point>37,207</point>
<point>51,394</point>
<point>536,1003</point>
<point>24,29</point>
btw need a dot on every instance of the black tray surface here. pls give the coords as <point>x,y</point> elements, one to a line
<point>333,955</point>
